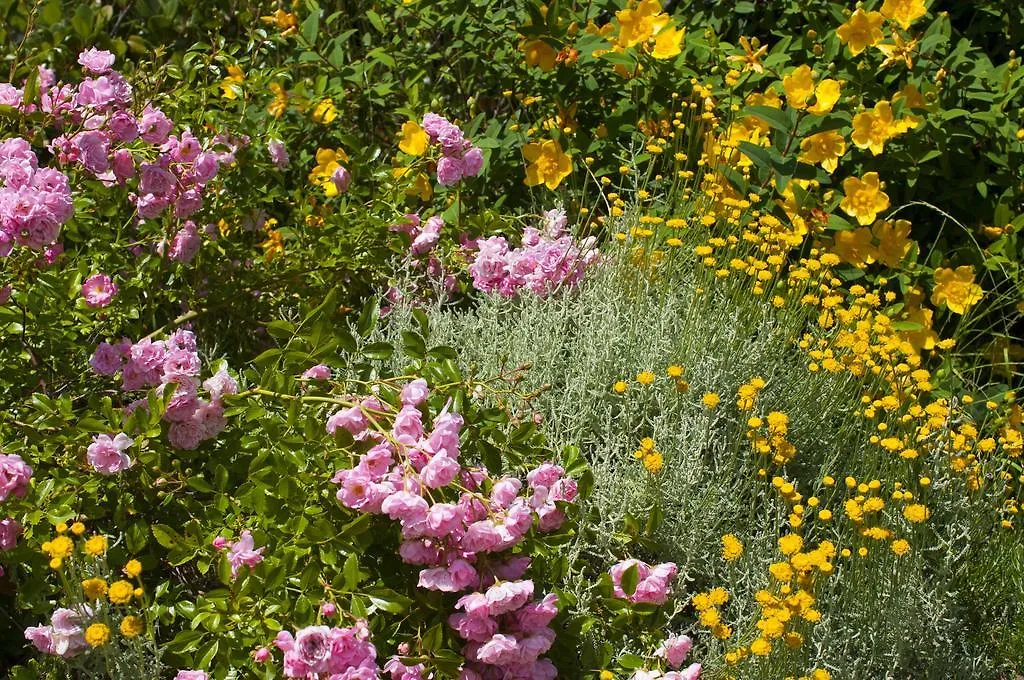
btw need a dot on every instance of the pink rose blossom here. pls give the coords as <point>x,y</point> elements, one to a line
<point>14,476</point>
<point>107,454</point>
<point>242,553</point>
<point>96,61</point>
<point>98,290</point>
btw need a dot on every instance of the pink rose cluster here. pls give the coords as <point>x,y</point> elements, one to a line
<point>14,477</point>
<point>241,553</point>
<point>34,201</point>
<point>64,636</point>
<point>424,235</point>
<point>653,583</point>
<point>324,652</point>
<point>191,675</point>
<point>171,365</point>
<point>691,672</point>
<point>545,261</point>
<point>674,650</point>
<point>397,475</point>
<point>169,171</point>
<point>506,632</point>
<point>459,158</point>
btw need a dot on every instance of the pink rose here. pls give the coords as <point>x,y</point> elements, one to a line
<point>96,61</point>
<point>14,476</point>
<point>242,553</point>
<point>98,290</point>
<point>106,454</point>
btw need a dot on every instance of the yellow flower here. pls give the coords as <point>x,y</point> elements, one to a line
<point>59,548</point>
<point>637,25</point>
<point>893,244</point>
<point>414,139</point>
<point>872,129</point>
<point>286,22</point>
<point>799,86</point>
<point>133,568</point>
<point>751,57</point>
<point>761,647</point>
<point>607,675</point>
<point>549,165</point>
<point>620,387</point>
<point>96,545</point>
<point>956,289</point>
<point>539,54</point>
<point>274,245</point>
<point>230,85</point>
<point>854,246</point>
<point>276,108</point>
<point>653,462</point>
<point>645,377</point>
<point>132,626</point>
<point>121,592</point>
<point>324,112</point>
<point>825,148</point>
<point>327,161</point>
<point>916,513</point>
<point>732,548</point>
<point>668,42</point>
<point>826,94</point>
<point>864,198</point>
<point>78,528</point>
<point>862,30</point>
<point>94,588</point>
<point>790,543</point>
<point>904,12</point>
<point>900,547</point>
<point>97,635</point>
<point>897,51</point>
<point>710,400</point>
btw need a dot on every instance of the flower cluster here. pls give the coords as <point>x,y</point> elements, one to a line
<point>338,652</point>
<point>459,158</point>
<point>653,583</point>
<point>424,237</point>
<point>395,477</point>
<point>172,365</point>
<point>65,634</point>
<point>543,263</point>
<point>34,201</point>
<point>15,474</point>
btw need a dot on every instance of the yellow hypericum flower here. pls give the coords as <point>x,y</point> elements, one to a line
<point>607,675</point>
<point>94,588</point>
<point>96,545</point>
<point>414,139</point>
<point>277,107</point>
<point>231,84</point>
<point>956,289</point>
<point>710,400</point>
<point>539,54</point>
<point>898,50</point>
<point>864,198</point>
<point>327,162</point>
<point>133,568</point>
<point>855,246</point>
<point>324,112</point>
<point>120,592</point>
<point>668,42</point>
<point>97,635</point>
<point>132,626</point>
<point>273,246</point>
<point>638,25</point>
<point>799,86</point>
<point>862,30</point>
<point>751,57</point>
<point>549,165</point>
<point>732,548</point>
<point>826,94</point>
<point>904,12</point>
<point>286,22</point>
<point>893,243</point>
<point>825,148</point>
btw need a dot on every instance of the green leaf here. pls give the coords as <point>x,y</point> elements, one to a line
<point>166,536</point>
<point>379,350</point>
<point>311,26</point>
<point>783,121</point>
<point>630,580</point>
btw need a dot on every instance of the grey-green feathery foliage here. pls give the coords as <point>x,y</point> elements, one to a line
<point>913,616</point>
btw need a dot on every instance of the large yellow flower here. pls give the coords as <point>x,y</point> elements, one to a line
<point>414,139</point>
<point>799,86</point>
<point>539,54</point>
<point>864,198</point>
<point>826,94</point>
<point>668,42</point>
<point>637,25</point>
<point>751,57</point>
<point>855,246</point>
<point>825,148</point>
<point>956,289</point>
<point>549,165</point>
<point>327,161</point>
<point>904,12</point>
<point>325,112</point>
<point>893,244</point>
<point>232,83</point>
<point>861,31</point>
